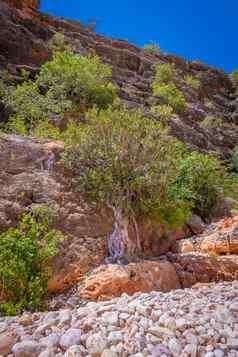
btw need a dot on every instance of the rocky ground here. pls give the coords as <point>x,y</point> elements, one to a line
<point>201,321</point>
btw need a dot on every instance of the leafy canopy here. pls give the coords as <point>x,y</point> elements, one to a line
<point>83,80</point>
<point>128,161</point>
<point>69,82</point>
<point>25,253</point>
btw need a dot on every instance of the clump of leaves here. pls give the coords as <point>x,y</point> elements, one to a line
<point>125,160</point>
<point>152,48</point>
<point>204,178</point>
<point>69,82</point>
<point>234,78</point>
<point>192,82</point>
<point>59,43</point>
<point>164,87</point>
<point>234,159</point>
<point>210,122</point>
<point>82,80</point>
<point>25,253</point>
<point>163,111</point>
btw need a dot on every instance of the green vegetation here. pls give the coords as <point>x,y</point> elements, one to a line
<point>192,82</point>
<point>152,48</point>
<point>234,77</point>
<point>234,159</point>
<point>164,112</point>
<point>204,178</point>
<point>25,253</point>
<point>68,82</point>
<point>164,86</point>
<point>210,122</point>
<point>58,43</point>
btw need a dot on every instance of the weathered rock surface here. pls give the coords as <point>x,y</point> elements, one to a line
<point>199,322</point>
<point>219,238</point>
<point>109,281</point>
<point>25,32</point>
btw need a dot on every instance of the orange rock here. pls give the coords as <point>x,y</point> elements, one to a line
<point>109,281</point>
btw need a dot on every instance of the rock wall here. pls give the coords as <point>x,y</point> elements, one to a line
<point>23,40</point>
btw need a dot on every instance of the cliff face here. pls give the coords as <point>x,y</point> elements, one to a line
<point>24,33</point>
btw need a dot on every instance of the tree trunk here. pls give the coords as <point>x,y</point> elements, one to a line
<point>120,246</point>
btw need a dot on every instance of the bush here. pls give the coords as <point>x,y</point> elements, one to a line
<point>203,177</point>
<point>58,43</point>
<point>192,82</point>
<point>164,87</point>
<point>163,74</point>
<point>83,81</point>
<point>234,77</point>
<point>163,111</point>
<point>211,122</point>
<point>152,48</point>
<point>234,159</point>
<point>25,253</point>
<point>171,95</point>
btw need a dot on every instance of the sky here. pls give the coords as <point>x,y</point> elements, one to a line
<point>205,30</point>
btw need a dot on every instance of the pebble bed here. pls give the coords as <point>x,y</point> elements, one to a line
<point>192,322</point>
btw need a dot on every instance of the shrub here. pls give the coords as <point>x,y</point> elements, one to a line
<point>234,159</point>
<point>234,77</point>
<point>83,81</point>
<point>163,111</point>
<point>45,129</point>
<point>192,82</point>
<point>58,43</point>
<point>152,48</point>
<point>203,177</point>
<point>164,87</point>
<point>171,95</point>
<point>67,83</point>
<point>163,74</point>
<point>211,122</point>
<point>129,163</point>
<point>25,253</point>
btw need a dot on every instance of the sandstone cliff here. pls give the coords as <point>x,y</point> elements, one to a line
<point>24,33</point>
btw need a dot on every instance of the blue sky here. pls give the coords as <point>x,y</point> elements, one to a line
<point>206,29</point>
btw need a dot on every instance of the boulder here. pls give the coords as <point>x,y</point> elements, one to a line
<point>109,281</point>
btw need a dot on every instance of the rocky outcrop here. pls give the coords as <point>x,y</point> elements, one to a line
<point>24,34</point>
<point>109,281</point>
<point>219,238</point>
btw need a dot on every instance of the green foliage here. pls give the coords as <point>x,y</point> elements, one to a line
<point>163,111</point>
<point>171,95</point>
<point>83,81</point>
<point>192,82</point>
<point>25,253</point>
<point>30,106</point>
<point>68,82</point>
<point>234,77</point>
<point>58,43</point>
<point>203,178</point>
<point>234,159</point>
<point>211,122</point>
<point>152,48</point>
<point>163,74</point>
<point>164,87</point>
<point>45,129</point>
<point>125,160</point>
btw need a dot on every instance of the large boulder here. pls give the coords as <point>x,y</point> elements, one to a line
<point>109,281</point>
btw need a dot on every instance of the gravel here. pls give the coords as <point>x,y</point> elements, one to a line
<point>182,323</point>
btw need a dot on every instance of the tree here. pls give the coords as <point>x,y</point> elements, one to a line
<point>129,163</point>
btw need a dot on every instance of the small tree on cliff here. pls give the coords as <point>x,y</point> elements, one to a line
<point>129,163</point>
